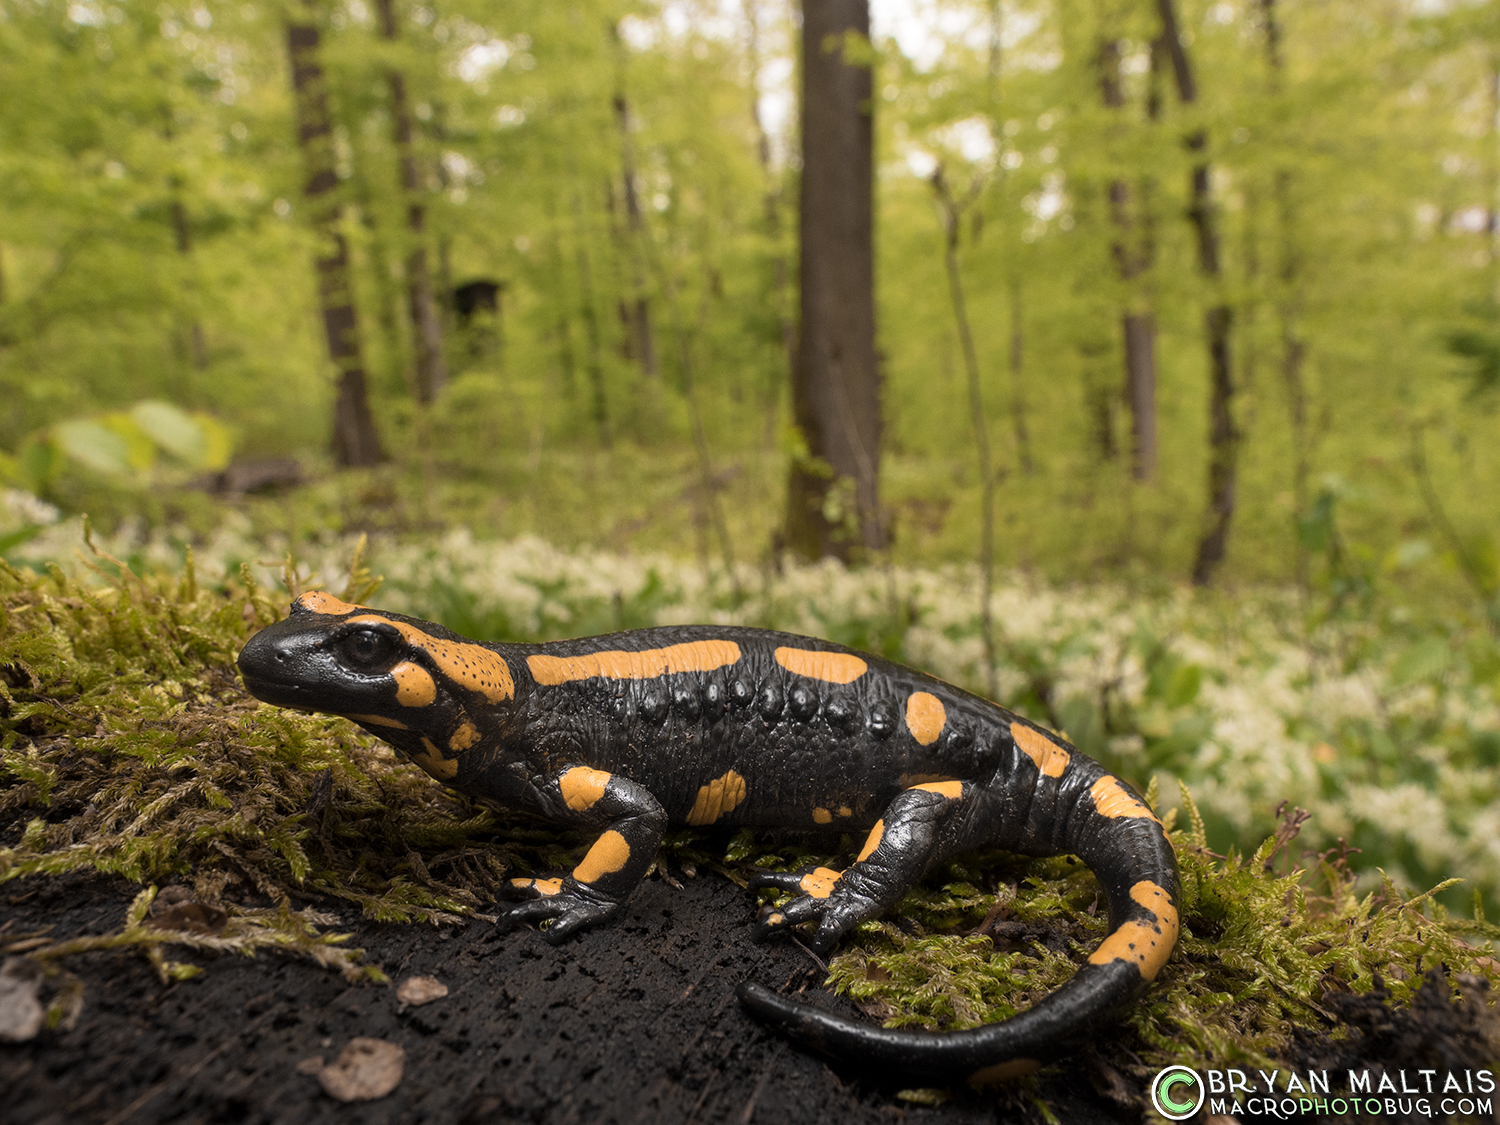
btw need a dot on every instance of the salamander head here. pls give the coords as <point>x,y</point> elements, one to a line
<point>413,683</point>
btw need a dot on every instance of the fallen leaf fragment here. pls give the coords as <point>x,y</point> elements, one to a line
<point>176,909</point>
<point>417,991</point>
<point>365,1070</point>
<point>313,1065</point>
<point>21,1013</point>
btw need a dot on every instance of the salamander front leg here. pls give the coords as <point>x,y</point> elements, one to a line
<point>920,826</point>
<point>600,884</point>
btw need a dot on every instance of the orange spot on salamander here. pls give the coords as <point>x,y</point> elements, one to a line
<point>719,796</point>
<point>692,656</point>
<point>414,685</point>
<point>830,667</point>
<point>872,841</point>
<point>609,854</point>
<point>1145,944</point>
<point>822,816</point>
<point>819,883</point>
<point>433,763</point>
<point>1049,757</point>
<point>544,887</point>
<point>925,717</point>
<point>582,787</point>
<point>1112,799</point>
<point>465,736</point>
<point>318,601</point>
<point>378,721</point>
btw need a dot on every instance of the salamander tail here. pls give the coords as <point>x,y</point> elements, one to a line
<point>1126,848</point>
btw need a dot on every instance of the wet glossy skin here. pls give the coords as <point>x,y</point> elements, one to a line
<point>720,725</point>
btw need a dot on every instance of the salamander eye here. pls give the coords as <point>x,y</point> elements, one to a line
<point>366,649</point>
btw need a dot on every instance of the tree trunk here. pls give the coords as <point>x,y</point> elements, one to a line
<point>355,440</point>
<point>1139,332</point>
<point>422,308</point>
<point>635,311</point>
<point>597,394</point>
<point>1134,252</point>
<point>1017,397</point>
<point>833,499</point>
<point>1218,321</point>
<point>183,236</point>
<point>773,227</point>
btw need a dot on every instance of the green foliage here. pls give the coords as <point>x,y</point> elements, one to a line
<point>153,246</point>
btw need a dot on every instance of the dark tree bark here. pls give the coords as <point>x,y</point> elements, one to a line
<point>1218,320</point>
<point>355,440</point>
<point>422,308</point>
<point>779,265</point>
<point>635,310</point>
<point>183,236</point>
<point>1134,252</point>
<point>592,338</point>
<point>833,502</point>
<point>1017,395</point>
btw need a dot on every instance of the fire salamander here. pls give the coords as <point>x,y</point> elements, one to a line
<point>704,725</point>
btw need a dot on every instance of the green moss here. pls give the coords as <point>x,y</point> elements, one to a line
<point>128,747</point>
<point>1258,950</point>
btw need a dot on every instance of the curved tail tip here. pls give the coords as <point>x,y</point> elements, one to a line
<point>761,1000</point>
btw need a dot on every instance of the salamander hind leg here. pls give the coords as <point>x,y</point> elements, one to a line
<point>923,824</point>
<point>597,888</point>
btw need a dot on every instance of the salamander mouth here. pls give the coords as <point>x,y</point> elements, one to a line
<point>278,692</point>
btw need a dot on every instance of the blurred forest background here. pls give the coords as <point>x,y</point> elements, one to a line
<point>1167,293</point>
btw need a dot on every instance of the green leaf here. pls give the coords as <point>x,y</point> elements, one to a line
<point>173,430</point>
<point>94,445</point>
<point>141,449</point>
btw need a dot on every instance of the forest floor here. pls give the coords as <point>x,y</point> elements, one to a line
<point>636,1022</point>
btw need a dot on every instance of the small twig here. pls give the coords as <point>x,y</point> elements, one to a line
<point>816,959</point>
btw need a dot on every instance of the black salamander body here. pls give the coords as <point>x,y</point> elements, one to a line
<point>703,725</point>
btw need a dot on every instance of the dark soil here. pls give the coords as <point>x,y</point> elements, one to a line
<point>633,1022</point>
